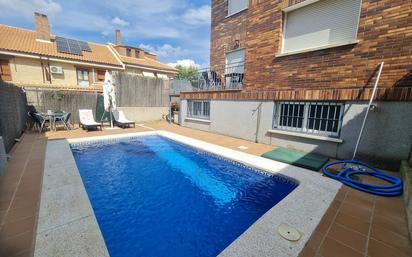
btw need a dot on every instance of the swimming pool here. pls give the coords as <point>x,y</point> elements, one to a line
<point>153,196</point>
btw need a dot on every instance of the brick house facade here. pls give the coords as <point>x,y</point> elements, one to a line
<point>297,91</point>
<point>339,73</point>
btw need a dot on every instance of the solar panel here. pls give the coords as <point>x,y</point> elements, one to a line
<point>74,47</point>
<point>62,45</point>
<point>71,46</point>
<point>84,46</point>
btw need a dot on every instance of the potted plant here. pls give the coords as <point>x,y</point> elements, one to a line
<point>175,111</point>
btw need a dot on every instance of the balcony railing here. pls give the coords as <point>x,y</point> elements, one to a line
<point>221,78</point>
<point>214,78</point>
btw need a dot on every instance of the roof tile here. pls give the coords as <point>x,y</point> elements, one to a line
<point>147,62</point>
<point>24,41</point>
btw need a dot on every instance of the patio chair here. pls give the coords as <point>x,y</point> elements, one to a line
<point>31,123</point>
<point>87,120</point>
<point>205,80</point>
<point>40,120</point>
<point>214,79</point>
<point>64,119</point>
<point>121,120</point>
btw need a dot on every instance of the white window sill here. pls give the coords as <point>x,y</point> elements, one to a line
<point>230,15</point>
<point>317,48</point>
<point>297,134</point>
<point>198,120</point>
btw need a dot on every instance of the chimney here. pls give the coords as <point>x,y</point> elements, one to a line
<point>118,41</point>
<point>42,26</point>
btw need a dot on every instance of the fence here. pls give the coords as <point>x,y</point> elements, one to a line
<point>13,113</point>
<point>136,91</point>
<point>180,85</point>
<point>59,100</point>
<point>131,91</point>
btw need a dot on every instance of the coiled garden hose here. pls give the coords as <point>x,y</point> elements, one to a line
<point>350,168</point>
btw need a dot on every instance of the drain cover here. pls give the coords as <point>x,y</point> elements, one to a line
<point>289,233</point>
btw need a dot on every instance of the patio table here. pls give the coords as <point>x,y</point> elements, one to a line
<point>52,116</point>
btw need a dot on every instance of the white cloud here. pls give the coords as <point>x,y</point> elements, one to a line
<point>105,33</point>
<point>185,63</point>
<point>165,50</point>
<point>197,16</point>
<point>149,48</point>
<point>145,7</point>
<point>77,20</point>
<point>152,31</point>
<point>26,9</point>
<point>119,22</point>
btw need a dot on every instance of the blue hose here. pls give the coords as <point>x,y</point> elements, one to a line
<point>351,168</point>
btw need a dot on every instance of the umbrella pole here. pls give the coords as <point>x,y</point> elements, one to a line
<point>110,113</point>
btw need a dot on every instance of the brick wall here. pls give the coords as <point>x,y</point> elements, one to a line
<point>225,31</point>
<point>336,94</point>
<point>385,34</point>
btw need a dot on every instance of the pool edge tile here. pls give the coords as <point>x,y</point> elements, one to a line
<point>66,236</point>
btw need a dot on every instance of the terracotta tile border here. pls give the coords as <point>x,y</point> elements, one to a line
<point>360,224</point>
<point>20,187</point>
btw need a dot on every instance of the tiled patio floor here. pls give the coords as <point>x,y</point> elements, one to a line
<point>356,224</point>
<point>20,194</point>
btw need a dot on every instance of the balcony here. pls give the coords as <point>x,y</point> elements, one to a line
<point>216,78</point>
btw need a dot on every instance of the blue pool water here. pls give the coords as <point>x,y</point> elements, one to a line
<point>155,197</point>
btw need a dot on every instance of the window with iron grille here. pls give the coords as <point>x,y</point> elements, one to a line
<point>322,118</point>
<point>199,109</point>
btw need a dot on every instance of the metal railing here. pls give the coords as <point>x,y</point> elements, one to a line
<point>221,77</point>
<point>177,85</point>
<point>213,78</point>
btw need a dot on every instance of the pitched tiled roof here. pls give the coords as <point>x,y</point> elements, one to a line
<point>97,86</point>
<point>147,62</point>
<point>24,41</point>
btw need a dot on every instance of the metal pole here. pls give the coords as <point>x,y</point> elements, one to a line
<point>110,113</point>
<point>367,110</point>
<point>258,109</point>
<point>170,110</point>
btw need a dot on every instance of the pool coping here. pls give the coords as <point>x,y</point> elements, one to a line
<point>302,209</point>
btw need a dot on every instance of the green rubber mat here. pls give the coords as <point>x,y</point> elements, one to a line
<point>297,158</point>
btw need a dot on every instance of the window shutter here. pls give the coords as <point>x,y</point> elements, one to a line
<point>149,74</point>
<point>101,75</point>
<point>235,60</point>
<point>235,6</point>
<point>323,23</point>
<point>5,72</point>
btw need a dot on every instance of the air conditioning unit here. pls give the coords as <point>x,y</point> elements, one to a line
<point>56,69</point>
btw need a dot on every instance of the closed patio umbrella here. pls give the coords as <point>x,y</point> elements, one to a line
<point>109,96</point>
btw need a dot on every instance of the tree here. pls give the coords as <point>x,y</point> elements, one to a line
<point>190,73</point>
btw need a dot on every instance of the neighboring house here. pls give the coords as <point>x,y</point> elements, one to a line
<point>40,59</point>
<point>141,62</point>
<point>307,69</point>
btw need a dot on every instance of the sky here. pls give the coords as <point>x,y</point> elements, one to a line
<point>177,30</point>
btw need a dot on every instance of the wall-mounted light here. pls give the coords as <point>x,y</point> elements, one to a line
<point>236,45</point>
<point>373,108</point>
